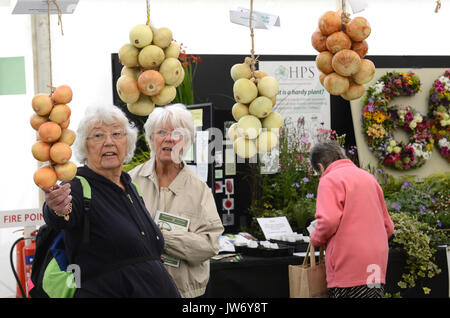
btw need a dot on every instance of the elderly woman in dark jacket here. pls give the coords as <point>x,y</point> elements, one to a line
<point>122,257</point>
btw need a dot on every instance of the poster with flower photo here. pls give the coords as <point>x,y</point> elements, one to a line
<point>301,96</point>
<point>302,101</point>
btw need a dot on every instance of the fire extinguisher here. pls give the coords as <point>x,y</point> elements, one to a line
<point>28,257</point>
<point>20,273</point>
<point>24,261</point>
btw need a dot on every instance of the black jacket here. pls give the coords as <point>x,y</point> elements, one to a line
<point>121,232</point>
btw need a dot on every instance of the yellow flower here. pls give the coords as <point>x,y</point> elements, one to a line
<point>379,117</point>
<point>376,131</point>
<point>367,115</point>
<point>410,82</point>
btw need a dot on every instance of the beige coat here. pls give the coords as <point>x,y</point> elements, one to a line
<point>189,197</point>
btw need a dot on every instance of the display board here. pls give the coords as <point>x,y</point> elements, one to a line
<point>200,157</point>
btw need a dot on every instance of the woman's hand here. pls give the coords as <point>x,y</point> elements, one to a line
<point>58,198</point>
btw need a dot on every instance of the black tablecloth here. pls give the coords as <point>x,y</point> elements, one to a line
<point>268,277</point>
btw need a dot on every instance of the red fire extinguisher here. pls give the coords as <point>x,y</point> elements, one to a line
<point>24,263</point>
<point>20,268</point>
<point>28,257</point>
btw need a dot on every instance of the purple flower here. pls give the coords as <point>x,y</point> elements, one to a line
<point>433,200</point>
<point>295,185</point>
<point>304,140</point>
<point>395,206</point>
<point>439,223</point>
<point>371,109</point>
<point>422,210</point>
<point>406,184</point>
<point>305,180</point>
<point>310,195</point>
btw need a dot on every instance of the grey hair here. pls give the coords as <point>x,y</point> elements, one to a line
<point>325,153</point>
<point>177,115</point>
<point>107,114</point>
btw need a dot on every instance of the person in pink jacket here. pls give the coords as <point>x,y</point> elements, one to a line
<point>353,223</point>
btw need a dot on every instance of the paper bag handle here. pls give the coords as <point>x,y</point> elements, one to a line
<point>312,255</point>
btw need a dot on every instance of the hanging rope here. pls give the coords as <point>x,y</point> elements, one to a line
<point>148,13</point>
<point>438,6</point>
<point>252,35</point>
<point>50,40</point>
<point>59,16</point>
<point>345,17</point>
<point>49,47</point>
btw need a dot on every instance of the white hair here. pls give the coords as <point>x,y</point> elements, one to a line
<point>178,116</point>
<point>107,114</point>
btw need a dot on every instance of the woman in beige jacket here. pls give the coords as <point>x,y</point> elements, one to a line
<point>168,185</point>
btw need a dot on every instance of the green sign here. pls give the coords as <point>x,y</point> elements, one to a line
<point>12,75</point>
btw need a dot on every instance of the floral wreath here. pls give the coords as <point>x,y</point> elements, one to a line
<point>438,112</point>
<point>379,121</point>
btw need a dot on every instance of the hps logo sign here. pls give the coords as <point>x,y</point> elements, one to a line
<point>294,72</point>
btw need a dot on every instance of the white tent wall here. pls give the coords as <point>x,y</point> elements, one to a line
<point>82,59</point>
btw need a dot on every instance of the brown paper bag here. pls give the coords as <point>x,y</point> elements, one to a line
<point>308,280</point>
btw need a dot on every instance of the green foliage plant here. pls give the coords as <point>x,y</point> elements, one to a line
<point>411,236</point>
<point>419,209</point>
<point>185,91</point>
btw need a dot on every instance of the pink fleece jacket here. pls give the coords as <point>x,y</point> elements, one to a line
<point>352,220</point>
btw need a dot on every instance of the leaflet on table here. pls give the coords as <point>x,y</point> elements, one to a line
<point>169,222</point>
<point>274,226</point>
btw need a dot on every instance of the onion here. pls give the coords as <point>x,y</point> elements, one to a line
<point>354,91</point>
<point>319,41</point>
<point>322,78</point>
<point>329,23</point>
<point>338,41</point>
<point>361,48</point>
<point>336,84</point>
<point>346,62</point>
<point>365,73</point>
<point>323,62</point>
<point>358,29</point>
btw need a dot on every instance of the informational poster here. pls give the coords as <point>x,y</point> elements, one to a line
<point>301,96</point>
<point>197,115</point>
<point>274,226</point>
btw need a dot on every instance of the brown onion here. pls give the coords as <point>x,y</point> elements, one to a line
<point>319,41</point>
<point>346,62</point>
<point>336,84</point>
<point>323,62</point>
<point>151,82</point>
<point>358,29</point>
<point>329,23</point>
<point>361,48</point>
<point>354,91</point>
<point>338,41</point>
<point>365,73</point>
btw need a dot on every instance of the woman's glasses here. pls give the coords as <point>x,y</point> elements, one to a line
<point>100,137</point>
<point>175,134</point>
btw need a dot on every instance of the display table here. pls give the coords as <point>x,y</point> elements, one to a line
<point>268,277</point>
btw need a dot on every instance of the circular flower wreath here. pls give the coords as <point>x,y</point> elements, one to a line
<point>380,120</point>
<point>438,112</point>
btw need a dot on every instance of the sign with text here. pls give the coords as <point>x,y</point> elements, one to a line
<point>41,6</point>
<point>275,226</point>
<point>23,217</point>
<point>300,94</point>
